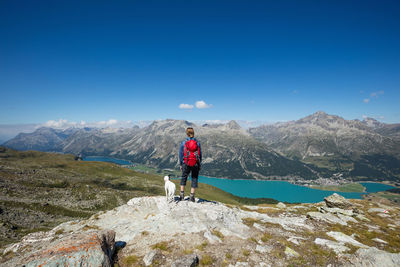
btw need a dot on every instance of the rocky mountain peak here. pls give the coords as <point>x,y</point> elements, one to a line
<point>233,125</point>
<point>373,123</point>
<point>320,117</point>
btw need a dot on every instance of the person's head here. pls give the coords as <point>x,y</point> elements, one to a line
<point>190,132</point>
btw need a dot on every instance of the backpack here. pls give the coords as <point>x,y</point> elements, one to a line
<point>191,153</point>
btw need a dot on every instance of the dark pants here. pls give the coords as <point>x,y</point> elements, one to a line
<point>195,174</point>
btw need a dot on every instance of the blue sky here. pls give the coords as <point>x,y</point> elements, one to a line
<point>246,60</point>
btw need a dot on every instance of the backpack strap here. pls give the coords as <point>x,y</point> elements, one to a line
<point>187,151</point>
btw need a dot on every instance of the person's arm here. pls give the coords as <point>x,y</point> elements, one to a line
<point>181,154</point>
<point>200,154</point>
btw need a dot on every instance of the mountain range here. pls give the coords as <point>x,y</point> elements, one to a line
<point>319,145</point>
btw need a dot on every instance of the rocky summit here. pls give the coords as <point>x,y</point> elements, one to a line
<point>149,231</point>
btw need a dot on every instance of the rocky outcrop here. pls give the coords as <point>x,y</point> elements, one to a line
<point>158,233</point>
<point>370,257</point>
<point>336,209</point>
<point>337,201</point>
<point>78,249</point>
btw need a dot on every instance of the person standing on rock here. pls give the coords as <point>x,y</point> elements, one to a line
<point>190,162</point>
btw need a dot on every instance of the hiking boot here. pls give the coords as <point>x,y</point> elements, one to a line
<point>192,197</point>
<point>182,196</point>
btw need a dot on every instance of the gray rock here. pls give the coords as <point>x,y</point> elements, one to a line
<point>148,259</point>
<point>291,253</point>
<point>295,239</point>
<point>186,261</point>
<point>83,249</point>
<point>371,257</point>
<point>347,218</point>
<point>343,238</point>
<point>263,249</point>
<point>337,201</point>
<point>374,210</point>
<point>362,217</point>
<point>379,240</point>
<point>239,264</point>
<point>281,205</point>
<point>335,246</point>
<point>327,217</point>
<point>336,211</point>
<point>212,238</point>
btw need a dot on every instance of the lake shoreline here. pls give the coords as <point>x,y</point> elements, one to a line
<point>309,186</point>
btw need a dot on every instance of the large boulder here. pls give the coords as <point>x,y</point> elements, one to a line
<point>370,257</point>
<point>191,260</point>
<point>82,249</point>
<point>337,201</point>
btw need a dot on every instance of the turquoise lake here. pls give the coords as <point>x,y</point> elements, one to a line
<point>279,190</point>
<point>283,191</point>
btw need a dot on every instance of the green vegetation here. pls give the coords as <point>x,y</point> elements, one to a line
<point>395,197</point>
<point>206,260</point>
<point>161,246</point>
<point>218,234</point>
<point>250,221</point>
<point>353,187</point>
<point>202,246</point>
<point>187,251</point>
<point>245,252</point>
<point>130,260</point>
<point>59,232</point>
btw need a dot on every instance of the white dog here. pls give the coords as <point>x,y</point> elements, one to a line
<point>169,189</point>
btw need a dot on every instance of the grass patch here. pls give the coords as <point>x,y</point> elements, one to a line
<point>202,246</point>
<point>145,233</point>
<point>59,232</point>
<point>269,211</point>
<point>246,252</point>
<point>130,260</point>
<point>90,227</point>
<point>188,251</point>
<point>252,239</point>
<point>206,260</point>
<point>218,234</point>
<point>265,237</point>
<point>161,246</point>
<point>250,221</point>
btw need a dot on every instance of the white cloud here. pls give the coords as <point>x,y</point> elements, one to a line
<point>373,95</point>
<point>373,117</point>
<point>64,124</point>
<point>185,106</point>
<point>201,104</point>
<point>60,123</point>
<point>377,94</point>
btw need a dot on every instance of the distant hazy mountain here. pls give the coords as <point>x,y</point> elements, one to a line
<point>43,139</point>
<point>9,131</point>
<point>318,145</point>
